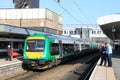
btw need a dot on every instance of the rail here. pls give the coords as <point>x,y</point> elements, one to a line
<point>80,72</point>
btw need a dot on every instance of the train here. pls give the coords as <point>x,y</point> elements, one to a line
<point>43,51</point>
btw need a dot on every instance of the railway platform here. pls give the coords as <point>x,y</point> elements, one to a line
<point>3,61</point>
<point>102,73</point>
<point>107,73</point>
<point>6,66</point>
<point>10,68</point>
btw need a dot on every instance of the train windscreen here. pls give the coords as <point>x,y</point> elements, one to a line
<point>35,45</point>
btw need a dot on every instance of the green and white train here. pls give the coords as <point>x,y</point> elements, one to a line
<point>43,51</point>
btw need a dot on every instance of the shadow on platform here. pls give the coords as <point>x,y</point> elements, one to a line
<point>116,54</point>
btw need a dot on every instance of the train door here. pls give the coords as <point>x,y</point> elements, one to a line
<point>60,48</point>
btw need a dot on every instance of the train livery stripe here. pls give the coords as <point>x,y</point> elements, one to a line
<point>34,55</point>
<point>36,38</point>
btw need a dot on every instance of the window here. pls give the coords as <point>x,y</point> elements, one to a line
<point>93,32</point>
<point>35,45</point>
<point>98,32</point>
<point>17,45</point>
<point>71,32</point>
<point>54,48</point>
<point>74,32</point>
<point>68,48</point>
<point>64,32</point>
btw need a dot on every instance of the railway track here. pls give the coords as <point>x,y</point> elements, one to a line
<point>17,76</point>
<point>92,63</point>
<point>24,76</point>
<point>72,70</point>
<point>83,71</point>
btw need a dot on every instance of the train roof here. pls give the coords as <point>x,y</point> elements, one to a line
<point>61,37</point>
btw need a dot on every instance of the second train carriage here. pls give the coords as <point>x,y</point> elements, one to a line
<point>44,51</point>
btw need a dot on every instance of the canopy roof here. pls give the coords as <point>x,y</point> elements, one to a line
<point>110,24</point>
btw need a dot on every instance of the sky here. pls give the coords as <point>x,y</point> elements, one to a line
<point>76,11</point>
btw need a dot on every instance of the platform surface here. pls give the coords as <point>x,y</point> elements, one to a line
<point>4,62</point>
<point>102,73</point>
<point>116,65</point>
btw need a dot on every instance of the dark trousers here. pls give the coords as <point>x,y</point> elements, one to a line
<point>109,60</point>
<point>9,57</point>
<point>103,59</point>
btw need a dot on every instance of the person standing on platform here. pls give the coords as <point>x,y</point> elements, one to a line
<point>9,54</point>
<point>109,54</point>
<point>103,55</point>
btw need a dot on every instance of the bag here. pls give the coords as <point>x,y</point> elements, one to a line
<point>103,52</point>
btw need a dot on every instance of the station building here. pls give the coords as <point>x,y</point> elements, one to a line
<point>94,34</point>
<point>43,20</point>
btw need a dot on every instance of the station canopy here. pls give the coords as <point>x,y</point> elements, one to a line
<point>110,25</point>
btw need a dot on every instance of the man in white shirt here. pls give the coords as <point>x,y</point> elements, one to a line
<point>109,54</point>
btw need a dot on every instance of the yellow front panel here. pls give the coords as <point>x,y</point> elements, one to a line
<point>34,54</point>
<point>36,38</point>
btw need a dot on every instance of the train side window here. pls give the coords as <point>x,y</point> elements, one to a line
<point>68,48</point>
<point>54,48</point>
<point>76,47</point>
